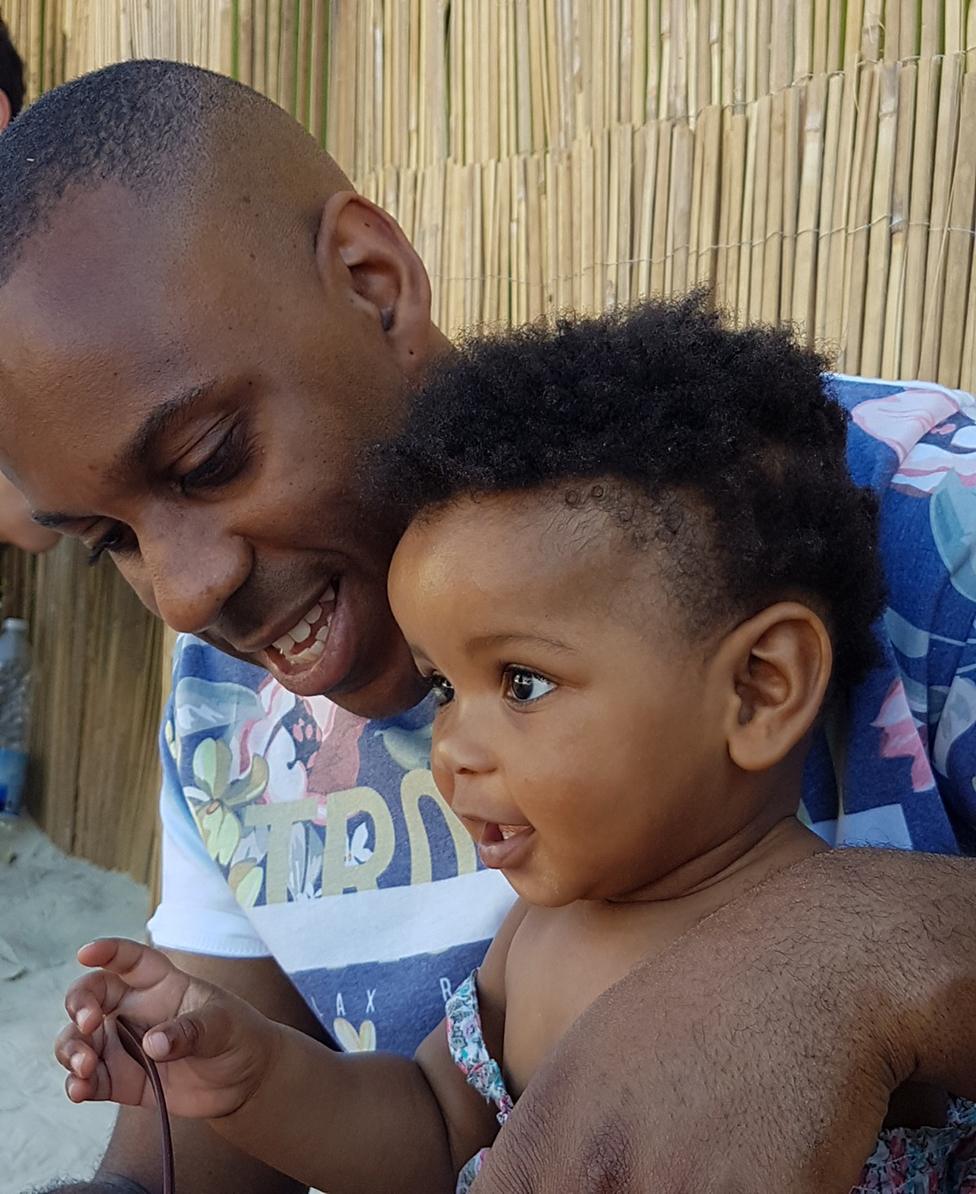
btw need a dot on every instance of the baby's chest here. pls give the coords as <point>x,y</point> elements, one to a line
<point>552,976</point>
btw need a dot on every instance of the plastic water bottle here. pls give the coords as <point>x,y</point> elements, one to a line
<point>15,665</point>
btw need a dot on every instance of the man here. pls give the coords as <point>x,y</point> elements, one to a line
<point>16,525</point>
<point>202,324</point>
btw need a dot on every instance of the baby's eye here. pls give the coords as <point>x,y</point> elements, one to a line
<point>442,688</point>
<point>525,686</point>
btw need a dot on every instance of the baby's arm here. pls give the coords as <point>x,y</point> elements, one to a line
<point>343,1122</point>
<point>375,1121</point>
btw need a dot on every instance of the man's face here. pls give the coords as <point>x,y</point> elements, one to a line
<point>193,406</point>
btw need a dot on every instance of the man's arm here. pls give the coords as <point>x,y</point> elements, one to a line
<point>204,1161</point>
<point>760,1052</point>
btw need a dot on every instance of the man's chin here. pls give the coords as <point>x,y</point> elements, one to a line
<point>384,697</point>
<point>391,686</point>
<point>396,688</point>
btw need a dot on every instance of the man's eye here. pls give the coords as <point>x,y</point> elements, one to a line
<point>524,686</point>
<point>115,540</point>
<point>442,689</point>
<point>221,466</point>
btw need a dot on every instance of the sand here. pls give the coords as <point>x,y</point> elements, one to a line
<point>49,905</point>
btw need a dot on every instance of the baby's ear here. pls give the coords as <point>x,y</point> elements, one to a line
<point>780,661</point>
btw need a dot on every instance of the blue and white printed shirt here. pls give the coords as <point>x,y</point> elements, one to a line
<point>295,830</point>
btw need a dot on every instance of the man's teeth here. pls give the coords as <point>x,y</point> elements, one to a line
<point>310,632</point>
<point>309,653</point>
<point>300,634</point>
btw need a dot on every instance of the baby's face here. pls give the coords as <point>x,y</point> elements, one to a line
<point>579,738</point>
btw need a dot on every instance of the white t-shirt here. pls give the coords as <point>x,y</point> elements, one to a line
<point>297,830</point>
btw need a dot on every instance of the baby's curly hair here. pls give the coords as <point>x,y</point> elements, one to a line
<point>722,446</point>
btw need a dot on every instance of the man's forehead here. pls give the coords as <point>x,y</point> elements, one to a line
<point>123,312</point>
<point>95,246</point>
<point>89,359</point>
<point>63,362</point>
<point>66,456</point>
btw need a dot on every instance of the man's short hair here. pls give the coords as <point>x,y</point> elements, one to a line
<point>146,125</point>
<point>11,71</point>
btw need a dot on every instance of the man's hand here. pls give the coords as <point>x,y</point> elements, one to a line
<point>760,1052</point>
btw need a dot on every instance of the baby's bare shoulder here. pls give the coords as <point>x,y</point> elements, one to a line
<point>560,960</point>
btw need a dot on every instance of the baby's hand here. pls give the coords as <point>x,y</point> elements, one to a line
<point>211,1048</point>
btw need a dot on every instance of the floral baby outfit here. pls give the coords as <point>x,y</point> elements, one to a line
<point>467,1044</point>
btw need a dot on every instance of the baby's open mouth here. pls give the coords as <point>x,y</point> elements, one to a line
<point>502,845</point>
<point>501,833</point>
<point>508,831</point>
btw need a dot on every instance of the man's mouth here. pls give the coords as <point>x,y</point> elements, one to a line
<point>303,645</point>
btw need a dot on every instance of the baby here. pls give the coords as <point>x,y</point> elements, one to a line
<point>632,583</point>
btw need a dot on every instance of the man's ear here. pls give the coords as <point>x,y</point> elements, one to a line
<point>360,248</point>
<point>6,112</point>
<point>779,665</point>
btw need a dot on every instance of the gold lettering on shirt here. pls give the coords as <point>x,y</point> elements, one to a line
<point>340,808</point>
<point>278,820</point>
<point>419,785</point>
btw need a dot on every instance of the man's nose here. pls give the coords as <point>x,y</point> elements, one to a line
<point>188,578</point>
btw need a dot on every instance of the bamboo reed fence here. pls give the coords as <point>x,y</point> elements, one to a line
<point>812,161</point>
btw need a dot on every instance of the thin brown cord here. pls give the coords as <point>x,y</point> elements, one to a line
<point>131,1040</point>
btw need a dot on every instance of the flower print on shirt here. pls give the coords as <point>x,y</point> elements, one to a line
<point>901,420</point>
<point>904,737</point>
<point>282,750</point>
<point>353,1040</point>
<point>357,849</point>
<point>929,443</point>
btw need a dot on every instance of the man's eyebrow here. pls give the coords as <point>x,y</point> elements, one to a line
<point>54,521</point>
<point>160,419</point>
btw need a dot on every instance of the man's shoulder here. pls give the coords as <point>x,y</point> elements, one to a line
<point>902,432</point>
<point>914,444</point>
<point>851,391</point>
